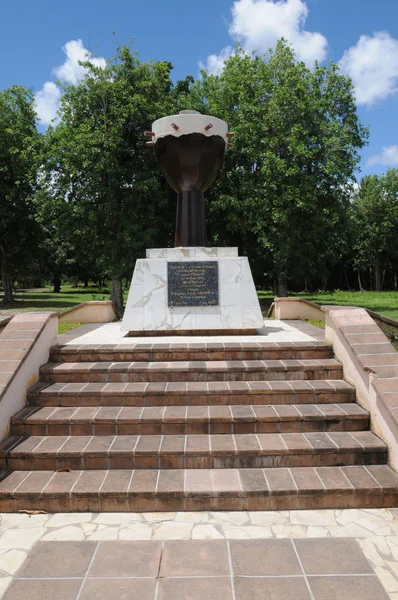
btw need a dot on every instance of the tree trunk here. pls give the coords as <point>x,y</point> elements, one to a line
<point>361,288</point>
<point>57,282</point>
<point>117,295</point>
<point>395,280</point>
<point>6,278</point>
<point>86,283</point>
<point>383,278</point>
<point>346,279</point>
<point>377,273</point>
<point>282,286</point>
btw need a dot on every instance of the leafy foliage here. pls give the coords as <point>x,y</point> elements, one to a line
<point>85,199</point>
<point>19,147</point>
<point>375,221</point>
<point>286,184</point>
<point>102,182</point>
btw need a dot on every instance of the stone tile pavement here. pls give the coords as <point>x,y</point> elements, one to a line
<point>303,569</point>
<point>305,555</point>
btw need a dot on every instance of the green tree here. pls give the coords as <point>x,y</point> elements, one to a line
<point>111,201</point>
<point>19,147</point>
<point>286,183</point>
<point>375,217</point>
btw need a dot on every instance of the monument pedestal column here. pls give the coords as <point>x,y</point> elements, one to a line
<point>190,220</point>
<point>193,290</point>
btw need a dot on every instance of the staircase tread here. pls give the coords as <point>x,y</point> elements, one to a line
<point>177,350</point>
<point>180,388</point>
<point>192,371</point>
<point>176,346</point>
<point>180,414</point>
<point>234,489</point>
<point>213,444</point>
<point>193,365</point>
<point>193,426</point>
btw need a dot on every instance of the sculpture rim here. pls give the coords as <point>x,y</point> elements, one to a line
<point>186,123</point>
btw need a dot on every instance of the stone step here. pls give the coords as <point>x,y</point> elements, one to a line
<point>193,393</point>
<point>178,351</point>
<point>193,451</point>
<point>177,490</point>
<point>192,371</point>
<point>188,420</point>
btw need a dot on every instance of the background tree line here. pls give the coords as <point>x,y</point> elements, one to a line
<point>85,199</point>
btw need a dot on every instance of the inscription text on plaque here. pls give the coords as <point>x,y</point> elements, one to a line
<point>192,283</point>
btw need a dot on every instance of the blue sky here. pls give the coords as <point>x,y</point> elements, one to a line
<point>362,33</point>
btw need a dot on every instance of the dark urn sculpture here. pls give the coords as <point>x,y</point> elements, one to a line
<point>190,148</point>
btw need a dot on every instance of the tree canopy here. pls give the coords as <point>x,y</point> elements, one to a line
<point>375,223</point>
<point>287,181</point>
<point>19,149</point>
<point>111,202</point>
<point>86,198</point>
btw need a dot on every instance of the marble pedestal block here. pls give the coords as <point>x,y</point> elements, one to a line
<point>147,308</point>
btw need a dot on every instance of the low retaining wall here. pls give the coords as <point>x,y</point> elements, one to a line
<point>299,308</point>
<point>296,308</point>
<point>24,346</point>
<point>4,322</point>
<point>89,312</point>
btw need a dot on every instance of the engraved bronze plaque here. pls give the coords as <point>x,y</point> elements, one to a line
<point>192,283</point>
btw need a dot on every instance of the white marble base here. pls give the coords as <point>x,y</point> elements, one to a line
<point>147,308</point>
<point>191,253</point>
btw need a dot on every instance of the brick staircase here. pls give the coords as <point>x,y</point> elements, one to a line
<point>198,426</point>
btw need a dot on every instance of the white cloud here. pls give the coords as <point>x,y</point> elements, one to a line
<point>373,66</point>
<point>215,62</point>
<point>388,157</point>
<point>70,70</point>
<point>48,98</point>
<point>47,102</point>
<point>259,24</point>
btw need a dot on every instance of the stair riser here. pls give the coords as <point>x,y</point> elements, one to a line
<point>196,428</point>
<point>280,354</point>
<point>192,376</point>
<point>192,400</point>
<point>240,461</point>
<point>132,503</point>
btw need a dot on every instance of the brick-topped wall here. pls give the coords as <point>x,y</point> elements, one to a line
<point>370,362</point>
<point>19,365</point>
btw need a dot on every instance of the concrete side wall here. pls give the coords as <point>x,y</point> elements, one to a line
<point>4,322</point>
<point>370,363</point>
<point>89,312</point>
<point>297,308</point>
<point>24,346</point>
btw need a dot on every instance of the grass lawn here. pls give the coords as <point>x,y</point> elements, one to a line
<point>45,300</point>
<point>64,327</point>
<point>385,303</point>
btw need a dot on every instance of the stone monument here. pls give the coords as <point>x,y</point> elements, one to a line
<point>191,288</point>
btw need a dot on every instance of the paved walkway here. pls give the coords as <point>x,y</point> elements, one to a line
<point>273,331</point>
<point>304,569</point>
<point>289,555</point>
